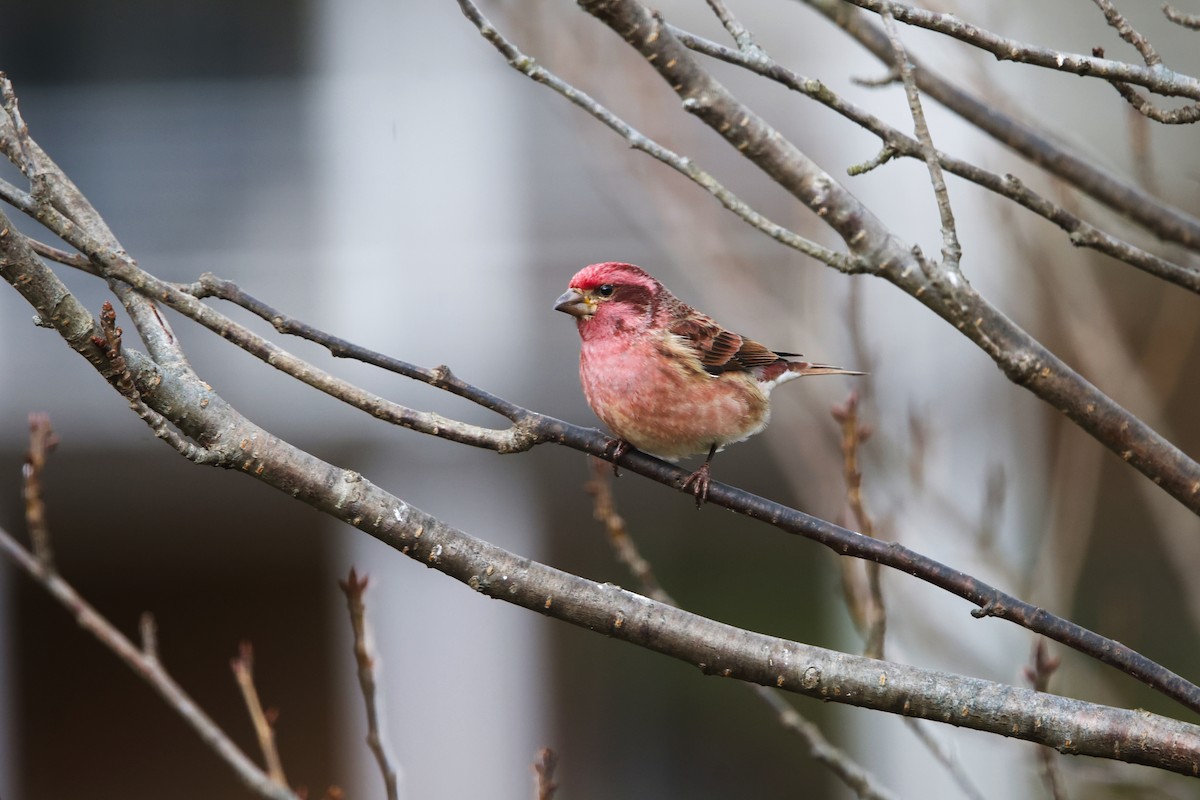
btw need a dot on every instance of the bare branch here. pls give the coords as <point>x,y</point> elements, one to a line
<point>1190,21</point>
<point>354,589</point>
<point>951,249</point>
<point>1117,22</point>
<point>76,260</point>
<point>1155,78</point>
<point>743,38</point>
<point>243,670</point>
<point>869,611</point>
<point>1176,116</point>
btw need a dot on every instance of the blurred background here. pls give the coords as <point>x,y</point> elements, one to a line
<point>375,169</point>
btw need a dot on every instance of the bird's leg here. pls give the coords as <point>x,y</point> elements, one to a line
<point>698,480</point>
<point>619,447</point>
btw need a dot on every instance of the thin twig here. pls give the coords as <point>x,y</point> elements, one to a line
<point>354,588</point>
<point>838,762</point>
<point>1185,115</point>
<point>42,442</point>
<point>951,249</point>
<point>869,611</point>
<point>543,770</point>
<point>1190,21</point>
<point>604,511</point>
<point>949,763</point>
<point>77,260</point>
<point>264,721</point>
<point>743,38</point>
<point>1116,20</point>
<point>1038,673</point>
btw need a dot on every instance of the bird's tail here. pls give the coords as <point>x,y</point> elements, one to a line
<point>805,368</point>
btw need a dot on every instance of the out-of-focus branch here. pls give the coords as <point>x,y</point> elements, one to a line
<point>41,442</point>
<point>1190,21</point>
<point>853,775</point>
<point>543,770</point>
<point>354,589</point>
<point>264,721</point>
<point>142,660</point>
<point>1041,668</point>
<point>866,608</point>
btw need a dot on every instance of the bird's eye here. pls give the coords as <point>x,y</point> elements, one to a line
<point>606,290</point>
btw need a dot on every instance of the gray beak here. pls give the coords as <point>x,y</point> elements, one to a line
<point>573,302</point>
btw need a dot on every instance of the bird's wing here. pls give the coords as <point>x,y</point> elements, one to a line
<point>719,350</point>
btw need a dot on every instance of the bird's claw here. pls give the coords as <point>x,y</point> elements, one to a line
<point>618,448</point>
<point>698,482</point>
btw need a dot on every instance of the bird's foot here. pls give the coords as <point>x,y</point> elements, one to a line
<point>614,450</point>
<point>698,482</point>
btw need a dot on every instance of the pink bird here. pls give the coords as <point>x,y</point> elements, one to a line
<point>665,378</point>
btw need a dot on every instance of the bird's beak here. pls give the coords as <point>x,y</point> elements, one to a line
<point>575,303</point>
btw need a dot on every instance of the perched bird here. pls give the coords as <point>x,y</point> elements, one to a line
<point>664,377</point>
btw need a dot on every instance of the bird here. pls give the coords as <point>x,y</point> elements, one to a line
<point>666,378</point>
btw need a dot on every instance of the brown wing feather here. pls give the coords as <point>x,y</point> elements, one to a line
<point>721,350</point>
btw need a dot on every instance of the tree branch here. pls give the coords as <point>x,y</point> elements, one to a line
<point>354,589</point>
<point>1155,78</point>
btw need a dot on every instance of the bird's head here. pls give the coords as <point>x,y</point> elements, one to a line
<point>611,297</point>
